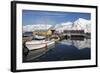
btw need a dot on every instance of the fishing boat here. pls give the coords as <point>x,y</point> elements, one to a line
<point>39,37</point>
<point>37,44</point>
<point>56,38</point>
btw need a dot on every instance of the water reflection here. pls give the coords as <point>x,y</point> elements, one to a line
<point>63,50</point>
<point>79,44</point>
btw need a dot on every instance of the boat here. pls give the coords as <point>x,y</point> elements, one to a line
<point>39,37</point>
<point>37,44</point>
<point>55,38</point>
<point>36,48</point>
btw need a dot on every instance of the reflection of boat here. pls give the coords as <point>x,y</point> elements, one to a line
<point>36,44</point>
<point>33,54</point>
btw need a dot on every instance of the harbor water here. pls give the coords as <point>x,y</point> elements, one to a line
<point>62,51</point>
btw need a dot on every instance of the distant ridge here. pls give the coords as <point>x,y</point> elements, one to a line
<point>79,24</point>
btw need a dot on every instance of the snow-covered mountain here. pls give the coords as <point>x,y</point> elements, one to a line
<point>82,24</point>
<point>79,24</point>
<point>63,26</point>
<point>36,27</point>
<point>27,28</point>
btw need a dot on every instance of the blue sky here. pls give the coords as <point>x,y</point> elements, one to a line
<point>30,17</point>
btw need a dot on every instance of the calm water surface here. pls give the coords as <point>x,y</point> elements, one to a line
<point>64,50</point>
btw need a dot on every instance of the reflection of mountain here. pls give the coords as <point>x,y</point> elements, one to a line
<point>86,43</point>
<point>82,44</point>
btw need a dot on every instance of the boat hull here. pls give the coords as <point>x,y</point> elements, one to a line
<point>32,45</point>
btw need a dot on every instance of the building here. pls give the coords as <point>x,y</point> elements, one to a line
<point>42,32</point>
<point>74,31</point>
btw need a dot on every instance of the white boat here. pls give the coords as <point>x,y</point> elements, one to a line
<point>39,37</point>
<point>37,44</point>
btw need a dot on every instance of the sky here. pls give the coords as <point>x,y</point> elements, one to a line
<point>30,17</point>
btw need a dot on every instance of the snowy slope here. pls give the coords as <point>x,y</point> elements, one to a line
<point>63,26</point>
<point>36,27</point>
<point>79,24</point>
<point>82,24</point>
